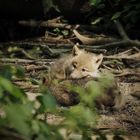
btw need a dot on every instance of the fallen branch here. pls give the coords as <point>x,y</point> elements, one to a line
<point>47,47</point>
<point>124,36</point>
<point>55,23</point>
<point>70,46</point>
<point>48,23</point>
<point>27,55</point>
<point>93,41</point>
<point>106,46</point>
<point>128,54</point>
<point>26,61</point>
<point>48,39</point>
<point>123,72</point>
<point>133,56</point>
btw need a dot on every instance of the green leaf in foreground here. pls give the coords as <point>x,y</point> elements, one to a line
<point>10,88</point>
<point>18,116</point>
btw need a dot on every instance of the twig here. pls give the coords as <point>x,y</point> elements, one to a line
<point>55,20</point>
<point>121,30</point>
<point>26,61</point>
<point>27,86</point>
<point>112,70</point>
<point>106,46</point>
<point>34,67</point>
<point>127,52</point>
<point>123,72</point>
<point>56,40</point>
<point>133,56</point>
<point>129,72</point>
<point>137,49</point>
<point>27,55</point>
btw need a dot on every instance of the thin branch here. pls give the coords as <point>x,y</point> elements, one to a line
<point>133,56</point>
<point>34,67</point>
<point>128,54</point>
<point>121,30</point>
<point>129,72</point>
<point>27,54</point>
<point>26,61</point>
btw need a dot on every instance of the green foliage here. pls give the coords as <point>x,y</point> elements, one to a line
<point>96,3</point>
<point>116,15</point>
<point>18,115</point>
<point>48,103</point>
<point>48,4</point>
<point>25,118</point>
<point>126,11</point>
<point>9,71</point>
<point>131,12</point>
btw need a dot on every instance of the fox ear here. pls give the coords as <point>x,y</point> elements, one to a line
<point>98,60</point>
<point>76,50</point>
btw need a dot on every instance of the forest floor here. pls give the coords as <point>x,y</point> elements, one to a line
<point>36,55</point>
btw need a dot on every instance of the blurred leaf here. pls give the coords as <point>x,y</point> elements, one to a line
<point>95,2</point>
<point>65,32</point>
<point>8,86</point>
<point>56,30</point>
<point>82,115</point>
<point>19,71</point>
<point>116,15</point>
<point>1,92</point>
<point>48,4</point>
<point>18,116</point>
<point>106,80</point>
<point>97,20</point>
<point>35,126</point>
<point>47,101</point>
<point>5,71</point>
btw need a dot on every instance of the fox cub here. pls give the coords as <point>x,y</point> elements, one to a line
<point>79,64</point>
<point>79,69</point>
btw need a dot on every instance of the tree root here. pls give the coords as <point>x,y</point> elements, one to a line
<point>93,41</point>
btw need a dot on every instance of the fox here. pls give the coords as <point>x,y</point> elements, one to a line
<point>78,65</point>
<point>80,68</point>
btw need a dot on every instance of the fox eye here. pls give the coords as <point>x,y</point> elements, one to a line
<point>84,69</point>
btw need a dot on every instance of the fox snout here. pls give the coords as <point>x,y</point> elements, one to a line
<point>76,74</point>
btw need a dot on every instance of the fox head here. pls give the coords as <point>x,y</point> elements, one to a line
<point>84,64</point>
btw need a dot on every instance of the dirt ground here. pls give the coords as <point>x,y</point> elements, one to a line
<point>127,119</point>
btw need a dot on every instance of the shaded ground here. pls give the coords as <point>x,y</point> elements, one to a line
<point>35,57</point>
